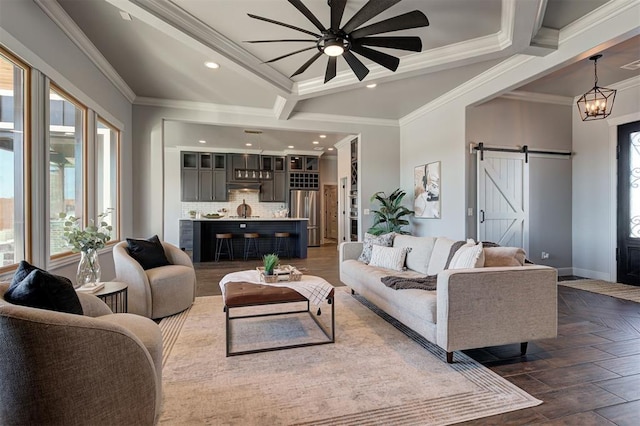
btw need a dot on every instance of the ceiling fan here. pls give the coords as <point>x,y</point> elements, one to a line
<point>351,37</point>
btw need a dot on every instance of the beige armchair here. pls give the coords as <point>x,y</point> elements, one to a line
<point>157,292</point>
<point>98,368</point>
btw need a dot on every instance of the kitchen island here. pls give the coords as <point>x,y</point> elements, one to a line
<point>205,230</point>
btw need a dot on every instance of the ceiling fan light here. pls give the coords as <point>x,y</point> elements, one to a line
<point>333,48</point>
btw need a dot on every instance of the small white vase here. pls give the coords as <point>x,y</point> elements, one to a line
<point>88,269</point>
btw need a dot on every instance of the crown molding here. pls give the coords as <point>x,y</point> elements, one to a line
<point>344,119</point>
<point>588,22</point>
<point>202,106</point>
<point>283,107</point>
<point>178,18</point>
<point>629,83</point>
<point>520,95</point>
<point>470,85</point>
<point>57,14</point>
<point>346,142</point>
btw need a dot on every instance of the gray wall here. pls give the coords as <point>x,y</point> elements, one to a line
<point>512,123</point>
<point>27,31</point>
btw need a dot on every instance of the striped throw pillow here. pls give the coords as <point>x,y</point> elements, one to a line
<point>388,257</point>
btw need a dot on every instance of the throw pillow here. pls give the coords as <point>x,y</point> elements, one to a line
<point>388,257</point>
<point>504,256</point>
<point>40,289</point>
<point>469,255</point>
<point>148,253</point>
<point>385,240</point>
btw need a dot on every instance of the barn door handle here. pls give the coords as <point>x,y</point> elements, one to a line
<point>481,216</point>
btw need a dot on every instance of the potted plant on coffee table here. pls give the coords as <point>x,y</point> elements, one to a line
<point>270,261</point>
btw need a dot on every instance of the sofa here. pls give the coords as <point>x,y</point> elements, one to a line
<point>60,368</point>
<point>471,307</point>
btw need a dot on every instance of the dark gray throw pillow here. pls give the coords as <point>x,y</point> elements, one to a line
<point>36,288</point>
<point>148,253</point>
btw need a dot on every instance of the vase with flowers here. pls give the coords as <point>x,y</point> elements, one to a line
<point>87,242</point>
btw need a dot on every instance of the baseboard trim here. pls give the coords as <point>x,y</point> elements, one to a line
<point>564,271</point>
<point>595,275</point>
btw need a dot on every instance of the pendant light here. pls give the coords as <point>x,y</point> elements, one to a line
<point>597,103</point>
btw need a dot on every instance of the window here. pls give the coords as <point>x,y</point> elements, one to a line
<point>107,146</point>
<point>66,164</point>
<point>13,152</point>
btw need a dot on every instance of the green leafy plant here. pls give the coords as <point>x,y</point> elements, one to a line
<point>93,237</point>
<point>270,261</point>
<point>390,215</point>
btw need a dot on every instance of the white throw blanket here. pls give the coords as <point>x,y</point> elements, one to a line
<point>314,288</point>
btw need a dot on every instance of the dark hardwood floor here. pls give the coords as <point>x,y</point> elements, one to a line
<point>588,375</point>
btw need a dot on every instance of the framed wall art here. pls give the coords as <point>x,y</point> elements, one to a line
<point>426,191</point>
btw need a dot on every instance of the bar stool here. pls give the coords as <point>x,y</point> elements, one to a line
<point>223,240</point>
<point>251,242</point>
<point>282,243</point>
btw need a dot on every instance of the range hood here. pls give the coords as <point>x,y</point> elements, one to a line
<point>239,185</point>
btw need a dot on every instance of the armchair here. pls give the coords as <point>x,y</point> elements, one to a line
<point>157,292</point>
<point>98,368</point>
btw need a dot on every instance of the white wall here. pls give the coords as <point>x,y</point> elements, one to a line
<point>153,206</point>
<point>26,31</point>
<point>594,186</point>
<point>540,126</point>
<point>436,131</point>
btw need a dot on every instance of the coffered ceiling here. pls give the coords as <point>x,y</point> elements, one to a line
<point>159,54</point>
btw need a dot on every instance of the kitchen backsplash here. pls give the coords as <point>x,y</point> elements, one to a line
<point>235,199</point>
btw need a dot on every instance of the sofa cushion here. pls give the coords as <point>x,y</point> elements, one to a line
<point>148,253</point>
<point>468,256</point>
<point>440,255</point>
<point>420,254</point>
<point>385,240</point>
<point>503,256</point>
<point>40,289</point>
<point>388,257</point>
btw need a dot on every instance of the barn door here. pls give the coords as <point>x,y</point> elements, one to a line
<point>503,198</point>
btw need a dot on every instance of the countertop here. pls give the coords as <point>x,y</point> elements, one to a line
<point>252,219</point>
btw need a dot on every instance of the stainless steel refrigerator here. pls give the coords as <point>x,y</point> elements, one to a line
<point>307,204</point>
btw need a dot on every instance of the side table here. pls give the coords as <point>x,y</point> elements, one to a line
<point>114,294</point>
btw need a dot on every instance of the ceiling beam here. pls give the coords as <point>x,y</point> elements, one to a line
<point>283,107</point>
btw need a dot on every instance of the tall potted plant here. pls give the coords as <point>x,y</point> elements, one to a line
<point>87,241</point>
<point>390,217</point>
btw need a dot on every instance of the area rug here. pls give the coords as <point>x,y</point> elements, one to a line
<point>376,373</point>
<point>621,291</point>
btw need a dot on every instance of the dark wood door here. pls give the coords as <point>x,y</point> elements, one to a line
<point>629,203</point>
<point>331,212</point>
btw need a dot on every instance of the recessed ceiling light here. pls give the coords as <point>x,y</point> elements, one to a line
<point>330,149</point>
<point>318,148</point>
<point>290,147</point>
<point>323,136</point>
<point>247,144</point>
<point>371,86</point>
<point>315,142</point>
<point>125,15</point>
<point>202,141</point>
<point>212,65</point>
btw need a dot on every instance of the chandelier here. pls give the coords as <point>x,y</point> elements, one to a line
<point>597,103</point>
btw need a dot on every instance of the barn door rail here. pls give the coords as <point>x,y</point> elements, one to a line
<point>525,150</point>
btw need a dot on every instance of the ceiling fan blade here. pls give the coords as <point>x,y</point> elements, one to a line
<point>405,21</point>
<point>306,12</point>
<point>368,11</point>
<point>289,54</point>
<point>413,44</point>
<point>278,41</point>
<point>306,65</point>
<point>331,68</point>
<point>387,61</point>
<point>359,69</point>
<point>260,18</point>
<point>337,9</point>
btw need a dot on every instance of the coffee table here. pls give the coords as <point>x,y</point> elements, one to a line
<point>251,292</point>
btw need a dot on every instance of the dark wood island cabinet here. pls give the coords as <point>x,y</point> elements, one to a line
<point>205,230</point>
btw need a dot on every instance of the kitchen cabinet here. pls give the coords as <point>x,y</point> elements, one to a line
<point>242,162</point>
<point>273,188</point>
<point>186,234</point>
<point>203,176</point>
<point>303,163</point>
